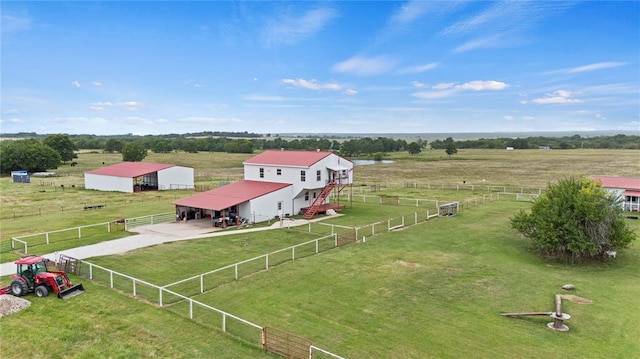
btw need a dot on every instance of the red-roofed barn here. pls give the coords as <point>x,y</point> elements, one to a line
<point>277,183</point>
<point>627,188</point>
<point>139,176</point>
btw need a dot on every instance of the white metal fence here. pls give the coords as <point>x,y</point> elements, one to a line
<point>22,243</point>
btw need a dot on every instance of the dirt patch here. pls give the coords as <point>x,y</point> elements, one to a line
<point>576,299</point>
<point>408,264</point>
<point>10,304</point>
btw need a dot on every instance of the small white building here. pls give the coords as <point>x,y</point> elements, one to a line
<point>276,184</point>
<point>626,188</point>
<point>139,176</point>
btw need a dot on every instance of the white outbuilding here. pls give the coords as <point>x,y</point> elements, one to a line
<point>139,176</point>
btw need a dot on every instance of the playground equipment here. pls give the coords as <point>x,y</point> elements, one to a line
<point>32,275</point>
<point>558,316</point>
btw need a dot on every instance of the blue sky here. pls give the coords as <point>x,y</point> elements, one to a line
<point>145,67</point>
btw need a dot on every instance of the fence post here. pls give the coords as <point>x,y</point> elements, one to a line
<point>134,287</point>
<point>224,322</point>
<point>266,258</point>
<point>201,283</point>
<point>160,296</point>
<point>236,270</point>
<point>190,308</point>
<point>90,271</point>
<point>415,217</point>
<point>335,239</point>
<point>79,232</point>
<point>293,253</point>
<point>108,227</point>
<point>47,236</point>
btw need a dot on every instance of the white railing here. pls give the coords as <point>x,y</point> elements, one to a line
<point>262,262</point>
<point>44,238</point>
<point>150,219</point>
<point>159,295</point>
<point>72,233</point>
<point>133,286</point>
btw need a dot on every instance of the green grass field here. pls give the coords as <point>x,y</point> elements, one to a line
<point>434,290</point>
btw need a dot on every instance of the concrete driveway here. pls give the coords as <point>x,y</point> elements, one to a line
<point>151,235</point>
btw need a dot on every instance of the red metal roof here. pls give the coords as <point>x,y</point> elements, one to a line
<point>288,158</point>
<point>632,193</point>
<point>130,169</point>
<point>628,183</point>
<point>230,195</point>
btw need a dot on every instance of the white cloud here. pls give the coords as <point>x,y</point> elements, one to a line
<point>312,85</point>
<point>97,83</point>
<point>290,29</point>
<point>76,83</point>
<point>11,111</point>
<point>559,96</point>
<point>443,86</point>
<point>418,84</point>
<point>419,68</point>
<point>364,66</point>
<point>509,118</point>
<point>446,89</point>
<point>596,66</point>
<point>483,85</point>
<point>127,105</point>
<point>350,92</point>
<point>430,95</point>
<point>9,23</point>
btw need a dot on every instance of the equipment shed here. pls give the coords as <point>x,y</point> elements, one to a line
<point>253,201</point>
<point>139,176</point>
<point>626,188</point>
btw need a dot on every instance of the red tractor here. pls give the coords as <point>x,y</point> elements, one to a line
<point>32,275</point>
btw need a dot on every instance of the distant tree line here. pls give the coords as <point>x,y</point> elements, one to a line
<point>38,152</point>
<point>566,142</point>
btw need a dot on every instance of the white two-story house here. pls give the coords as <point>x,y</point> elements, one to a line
<point>276,184</point>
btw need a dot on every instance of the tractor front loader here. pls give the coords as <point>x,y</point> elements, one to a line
<point>32,275</point>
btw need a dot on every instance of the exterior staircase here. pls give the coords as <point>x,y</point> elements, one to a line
<point>313,209</point>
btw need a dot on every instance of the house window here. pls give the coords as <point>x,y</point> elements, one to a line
<point>303,176</point>
<point>279,172</point>
<point>314,194</point>
<point>261,172</point>
<point>280,206</point>
<point>318,175</point>
<point>306,196</point>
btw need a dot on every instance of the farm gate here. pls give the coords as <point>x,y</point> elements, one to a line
<point>285,344</point>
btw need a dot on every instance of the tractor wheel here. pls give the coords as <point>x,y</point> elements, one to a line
<point>19,288</point>
<point>41,291</point>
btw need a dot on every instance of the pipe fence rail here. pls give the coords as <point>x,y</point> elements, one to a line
<point>184,305</point>
<point>450,186</point>
<point>107,230</point>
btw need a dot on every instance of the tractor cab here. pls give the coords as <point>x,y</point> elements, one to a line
<point>28,269</point>
<point>32,275</point>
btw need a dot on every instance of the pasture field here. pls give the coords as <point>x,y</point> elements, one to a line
<point>433,290</point>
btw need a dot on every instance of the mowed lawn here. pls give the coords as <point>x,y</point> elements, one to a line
<point>434,290</point>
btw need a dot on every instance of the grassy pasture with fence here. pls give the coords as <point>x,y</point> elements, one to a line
<point>435,289</point>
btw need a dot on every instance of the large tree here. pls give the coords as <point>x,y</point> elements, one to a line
<point>113,145</point>
<point>414,148</point>
<point>29,155</point>
<point>575,219</point>
<point>134,152</point>
<point>62,144</point>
